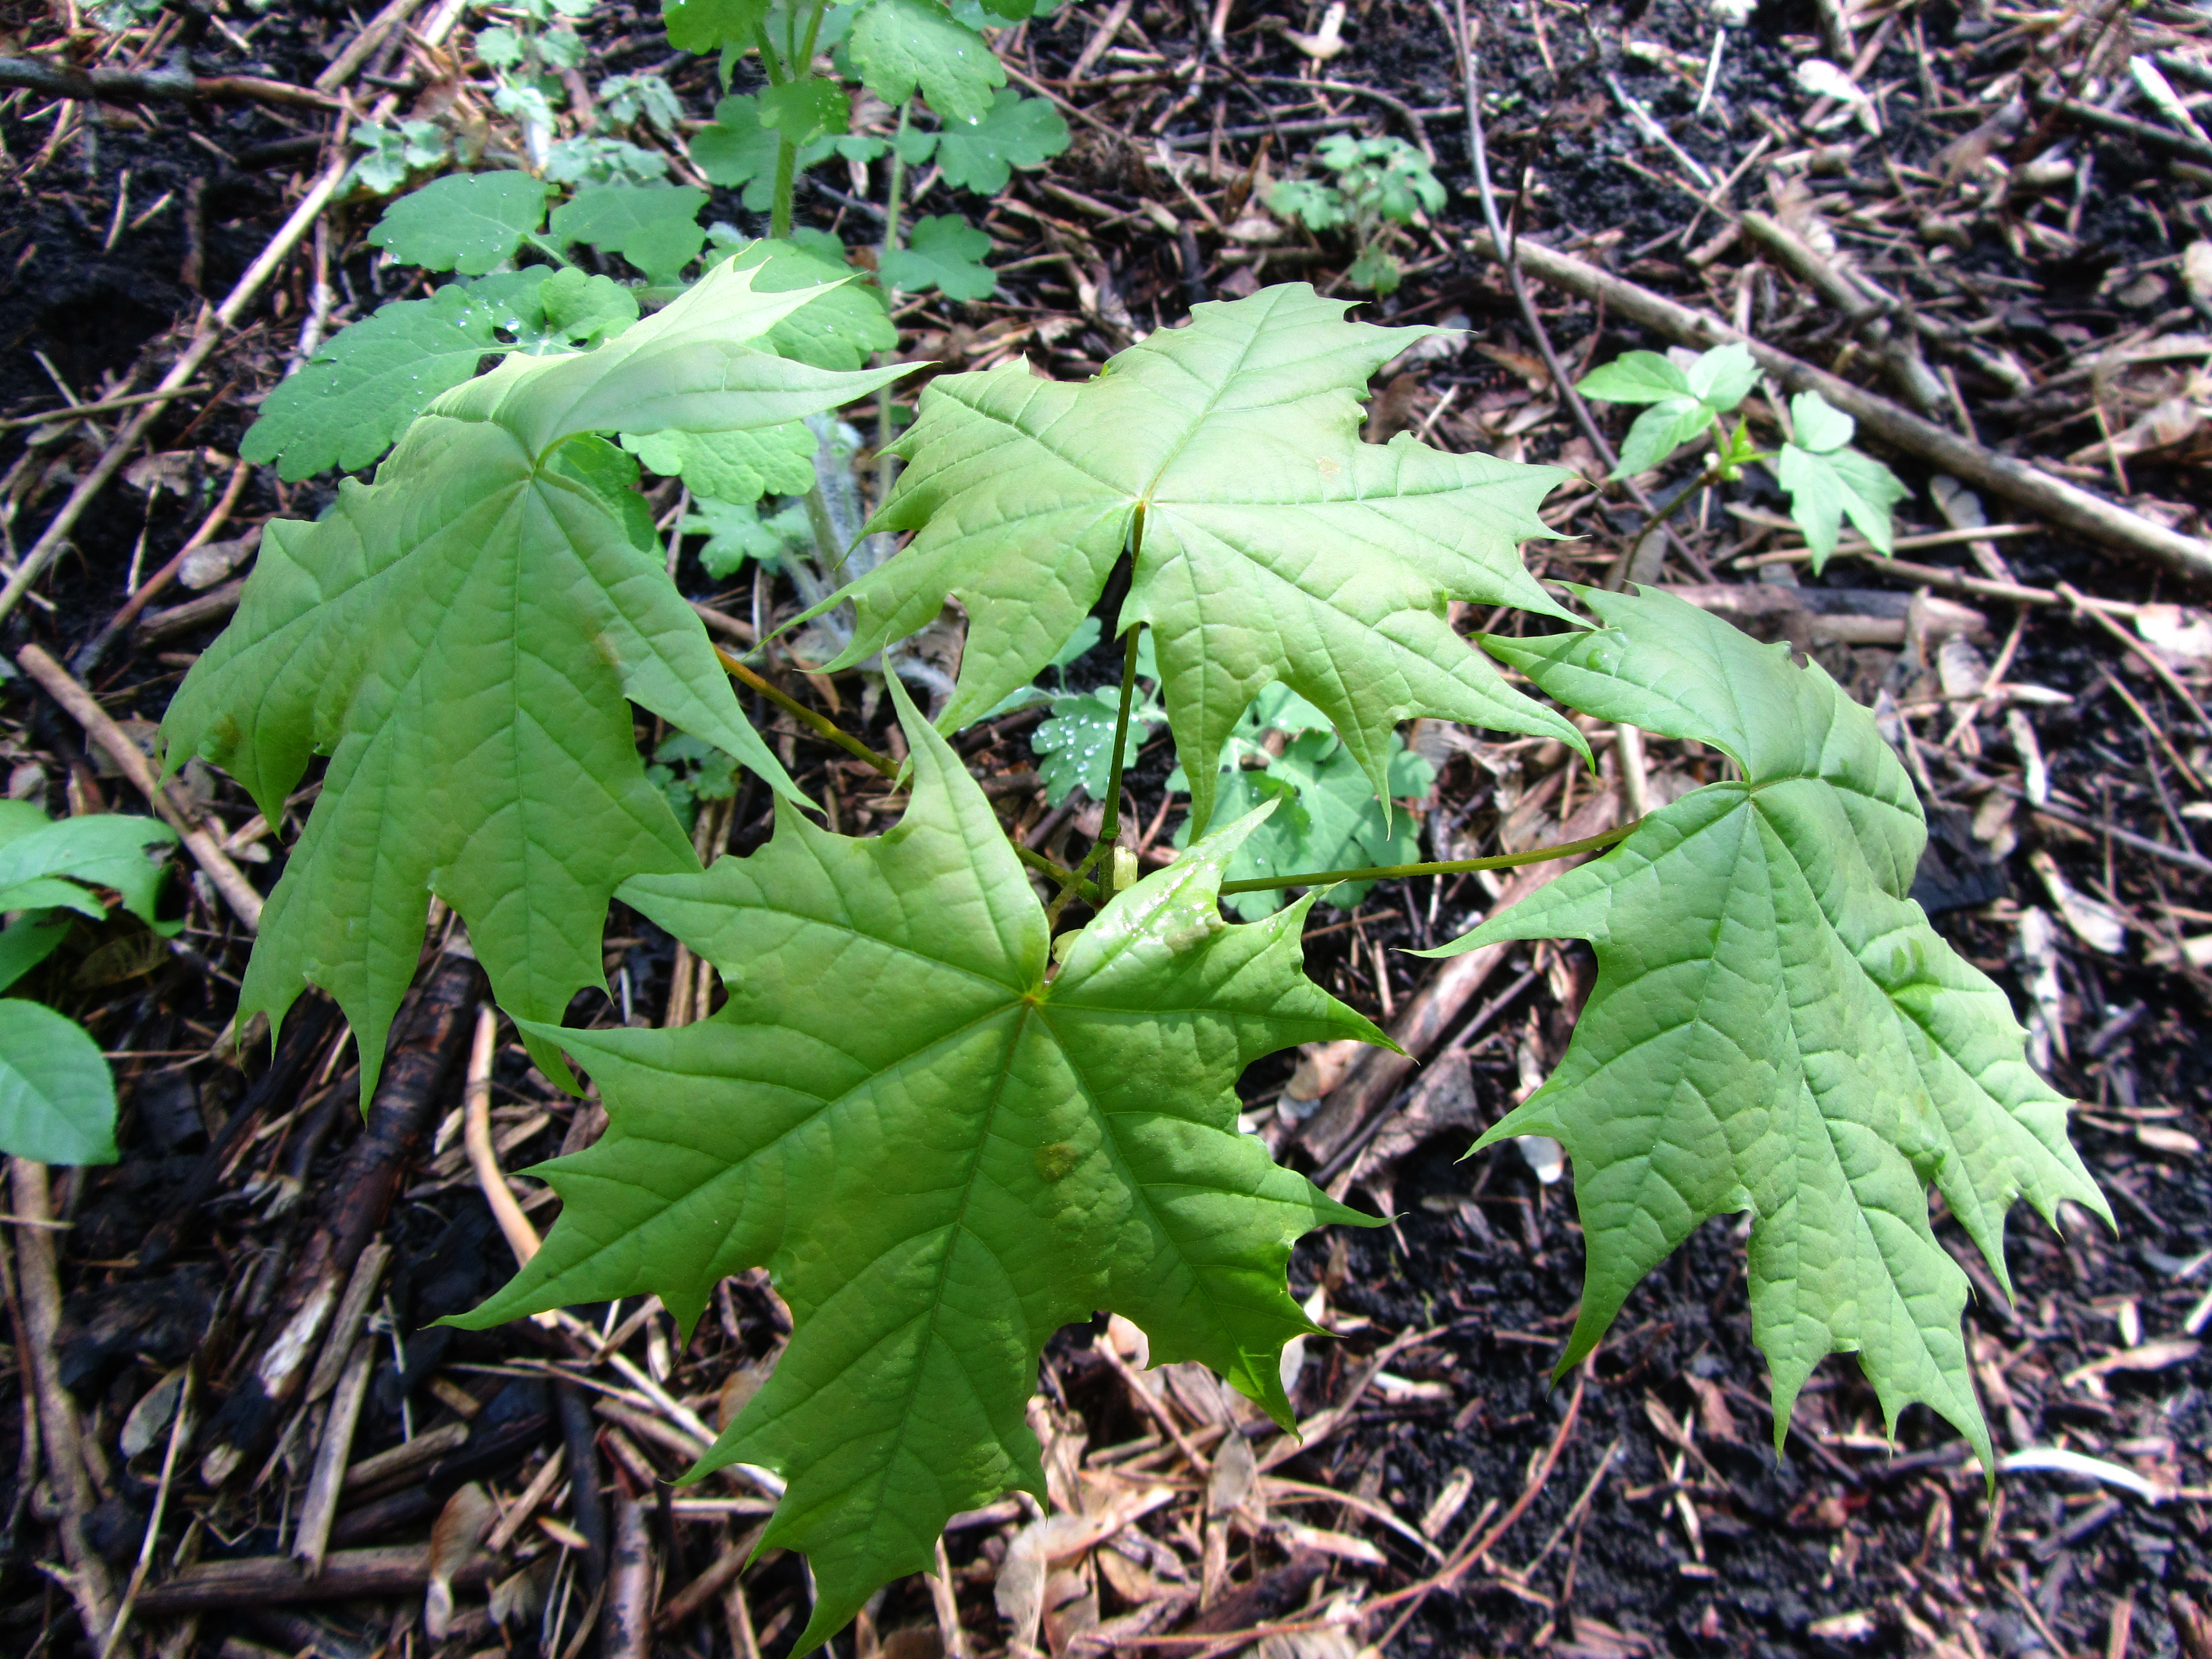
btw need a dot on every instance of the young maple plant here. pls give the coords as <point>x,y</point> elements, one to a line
<point>947,1133</point>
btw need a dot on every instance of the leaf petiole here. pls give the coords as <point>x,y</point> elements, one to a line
<point>1565,849</point>
<point>1070,880</point>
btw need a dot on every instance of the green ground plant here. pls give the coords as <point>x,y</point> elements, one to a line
<point>1825,478</point>
<point>1036,1118</point>
<point>57,1097</point>
<point>1380,186</point>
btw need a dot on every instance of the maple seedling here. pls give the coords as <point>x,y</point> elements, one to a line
<point>1021,1129</point>
<point>1824,478</point>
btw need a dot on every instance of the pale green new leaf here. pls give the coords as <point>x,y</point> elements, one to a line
<point>842,326</point>
<point>1018,132</point>
<point>352,399</point>
<point>731,466</point>
<point>943,252</point>
<point>655,226</point>
<point>464,639</point>
<point>1724,375</point>
<point>1636,377</point>
<point>1659,431</point>
<point>941,1154</point>
<point>1825,489</point>
<point>465,221</point>
<point>1274,544</point>
<point>1817,424</point>
<point>49,864</point>
<point>56,1099</point>
<point>901,46</point>
<point>1776,1027</point>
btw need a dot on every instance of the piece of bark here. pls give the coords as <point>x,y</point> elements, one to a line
<point>1372,1078</point>
<point>212,606</point>
<point>1273,1592</point>
<point>60,1431</point>
<point>1843,616</point>
<point>360,1199</point>
<point>400,1570</point>
<point>306,1034</point>
<point>626,1618</point>
<point>580,1435</point>
<point>2066,506</point>
<point>123,86</point>
<point>313,1538</point>
<point>1445,1098</point>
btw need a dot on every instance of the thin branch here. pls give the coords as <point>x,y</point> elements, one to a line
<point>1565,849</point>
<point>852,745</point>
<point>114,86</point>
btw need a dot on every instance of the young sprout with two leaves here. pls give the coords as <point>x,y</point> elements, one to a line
<point>1826,479</point>
<point>56,1099</point>
<point>1381,184</point>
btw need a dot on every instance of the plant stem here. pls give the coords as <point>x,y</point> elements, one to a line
<point>825,531</point>
<point>1455,866</point>
<point>786,169</point>
<point>1109,826</point>
<point>1110,821</point>
<point>821,725</point>
<point>1070,880</point>
<point>887,464</point>
<point>1073,881</point>
<point>805,64</point>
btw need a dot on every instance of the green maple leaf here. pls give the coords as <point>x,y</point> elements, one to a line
<point>1776,1027</point>
<point>986,1155</point>
<point>1828,481</point>
<point>465,221</point>
<point>1272,543</point>
<point>1017,132</point>
<point>901,46</point>
<point>464,638</point>
<point>943,252</point>
<point>352,399</point>
<point>655,226</point>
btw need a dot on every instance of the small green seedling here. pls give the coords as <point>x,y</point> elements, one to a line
<point>1381,184</point>
<point>1825,478</point>
<point>56,1099</point>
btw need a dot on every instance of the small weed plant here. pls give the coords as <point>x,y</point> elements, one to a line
<point>56,1099</point>
<point>1826,479</point>
<point>1380,186</point>
<point>960,1096</point>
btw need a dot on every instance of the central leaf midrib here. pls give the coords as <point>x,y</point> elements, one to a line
<point>952,1231</point>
